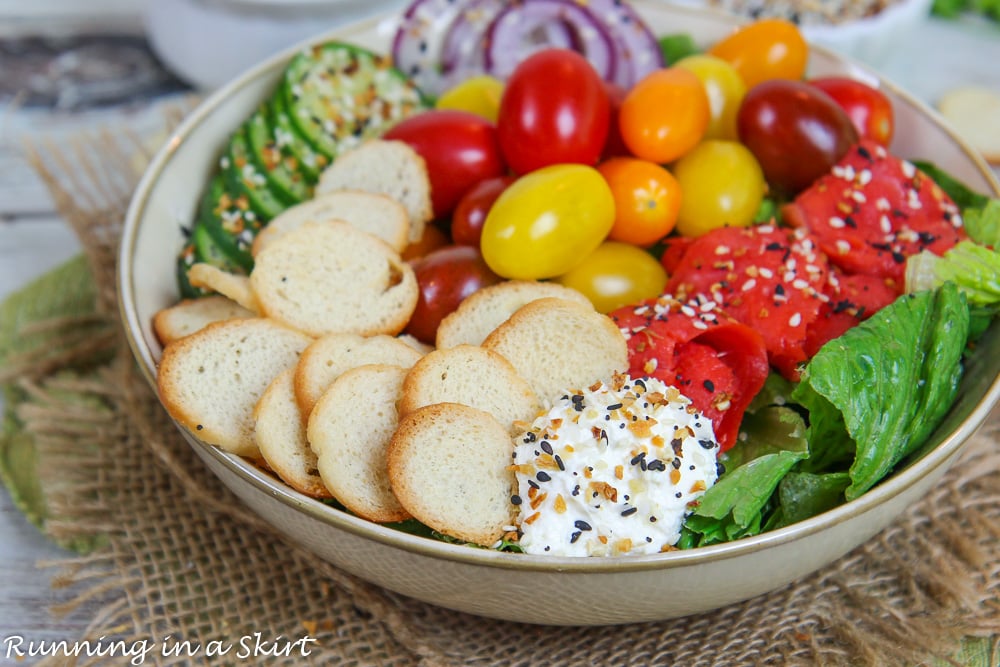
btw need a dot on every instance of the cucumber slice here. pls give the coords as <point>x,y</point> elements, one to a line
<point>281,168</point>
<point>288,138</point>
<point>207,250</point>
<point>185,259</point>
<point>245,177</point>
<point>230,221</point>
<point>339,95</point>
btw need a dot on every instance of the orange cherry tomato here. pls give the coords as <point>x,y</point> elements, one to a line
<point>765,49</point>
<point>647,200</point>
<point>665,115</point>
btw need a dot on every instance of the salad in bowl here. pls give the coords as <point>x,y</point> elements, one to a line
<point>499,297</point>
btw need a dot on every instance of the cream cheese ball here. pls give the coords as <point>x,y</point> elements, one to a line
<point>612,470</point>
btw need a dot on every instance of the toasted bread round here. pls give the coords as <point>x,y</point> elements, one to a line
<point>486,309</point>
<point>557,345</point>
<point>210,381</point>
<point>449,465</point>
<point>281,437</point>
<point>331,277</point>
<point>349,430</point>
<point>974,112</point>
<point>232,285</point>
<point>390,168</point>
<point>379,215</point>
<point>190,315</point>
<point>472,376</point>
<point>327,358</point>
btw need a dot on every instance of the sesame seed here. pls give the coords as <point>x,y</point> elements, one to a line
<point>795,320</point>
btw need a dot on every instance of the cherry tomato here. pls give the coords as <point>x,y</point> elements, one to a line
<point>867,107</point>
<point>765,49</point>
<point>614,145</point>
<point>554,110</point>
<point>547,221</point>
<point>432,239</point>
<point>664,115</point>
<point>479,95</point>
<point>446,276</point>
<point>470,214</point>
<point>647,199</point>
<point>725,89</point>
<point>722,184</point>
<point>615,275</point>
<point>459,147</point>
<point>796,132</point>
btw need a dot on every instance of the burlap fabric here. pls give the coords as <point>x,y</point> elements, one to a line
<point>174,556</point>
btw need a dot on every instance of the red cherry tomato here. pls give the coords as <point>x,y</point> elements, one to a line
<point>459,147</point>
<point>796,131</point>
<point>614,145</point>
<point>446,276</point>
<point>867,107</point>
<point>554,110</point>
<point>470,214</point>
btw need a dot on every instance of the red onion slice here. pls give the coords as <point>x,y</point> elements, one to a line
<point>520,30</point>
<point>638,50</point>
<point>464,47</point>
<point>416,46</point>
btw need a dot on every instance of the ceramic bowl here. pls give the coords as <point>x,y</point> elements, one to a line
<point>486,582</point>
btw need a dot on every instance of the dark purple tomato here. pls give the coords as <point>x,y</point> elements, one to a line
<point>795,130</point>
<point>470,214</point>
<point>445,276</point>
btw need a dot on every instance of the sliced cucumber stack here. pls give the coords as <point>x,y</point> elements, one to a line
<point>331,98</point>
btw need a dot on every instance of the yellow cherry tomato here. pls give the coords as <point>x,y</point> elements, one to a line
<point>479,95</point>
<point>615,275</point>
<point>725,89</point>
<point>664,115</point>
<point>647,199</point>
<point>765,49</point>
<point>723,186</point>
<point>547,221</point>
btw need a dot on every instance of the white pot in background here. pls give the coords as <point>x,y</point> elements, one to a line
<point>208,42</point>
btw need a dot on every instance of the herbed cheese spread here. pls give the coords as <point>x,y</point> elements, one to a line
<point>612,470</point>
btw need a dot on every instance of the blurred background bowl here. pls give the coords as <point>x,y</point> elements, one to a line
<point>208,42</point>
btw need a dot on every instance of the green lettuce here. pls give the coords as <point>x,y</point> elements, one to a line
<point>802,495</point>
<point>892,378</point>
<point>975,269</point>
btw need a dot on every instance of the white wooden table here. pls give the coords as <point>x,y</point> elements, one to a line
<point>929,61</point>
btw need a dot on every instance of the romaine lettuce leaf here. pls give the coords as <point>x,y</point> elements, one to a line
<point>766,431</point>
<point>982,224</point>
<point>802,495</point>
<point>892,378</point>
<point>975,269</point>
<point>735,506</point>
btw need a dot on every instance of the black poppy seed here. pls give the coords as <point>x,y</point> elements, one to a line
<point>529,437</point>
<point>709,385</point>
<point>635,418</point>
<point>850,222</point>
<point>582,525</point>
<point>574,537</point>
<point>649,539</point>
<point>692,467</point>
<point>543,476</point>
<point>547,548</point>
<point>546,447</point>
<point>707,444</point>
<point>622,425</point>
<point>533,484</point>
<point>863,152</point>
<point>199,427</point>
<point>626,497</point>
<point>774,245</point>
<point>575,491</point>
<point>515,499</point>
<point>652,519</point>
<point>720,469</point>
<point>629,511</point>
<point>559,462</point>
<point>676,463</point>
<point>779,289</point>
<point>898,257</point>
<point>607,418</point>
<point>678,494</point>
